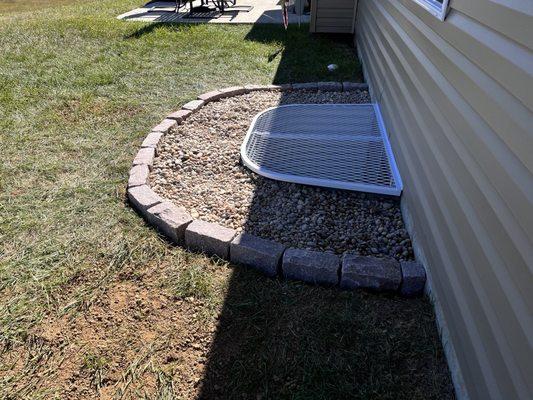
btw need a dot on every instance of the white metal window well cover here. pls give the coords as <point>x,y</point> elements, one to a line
<point>343,146</point>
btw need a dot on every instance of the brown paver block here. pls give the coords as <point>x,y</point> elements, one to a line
<point>255,88</point>
<point>413,278</point>
<point>145,156</point>
<point>211,96</point>
<point>209,238</point>
<point>283,86</point>
<point>138,175</point>
<point>152,140</point>
<point>311,266</point>
<point>165,125</point>
<point>381,274</point>
<point>170,220</point>
<point>255,252</point>
<point>330,86</point>
<point>193,105</point>
<point>180,115</point>
<point>233,91</point>
<point>142,198</point>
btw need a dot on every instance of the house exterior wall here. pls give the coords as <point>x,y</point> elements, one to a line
<point>457,98</point>
<point>333,16</point>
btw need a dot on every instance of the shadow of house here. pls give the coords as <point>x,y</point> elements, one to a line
<point>298,61</point>
<point>285,340</point>
<point>279,340</point>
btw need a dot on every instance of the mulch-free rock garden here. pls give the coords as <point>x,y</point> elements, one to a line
<point>198,167</point>
<point>195,165</point>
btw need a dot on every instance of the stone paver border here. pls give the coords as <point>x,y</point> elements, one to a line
<point>348,271</point>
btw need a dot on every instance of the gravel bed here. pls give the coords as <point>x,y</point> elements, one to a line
<point>198,167</point>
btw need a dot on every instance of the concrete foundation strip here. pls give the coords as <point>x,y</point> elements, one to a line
<point>349,271</point>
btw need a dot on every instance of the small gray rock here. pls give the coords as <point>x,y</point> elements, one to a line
<point>170,220</point>
<point>381,274</point>
<point>311,266</point>
<point>255,252</point>
<point>209,238</point>
<point>413,278</point>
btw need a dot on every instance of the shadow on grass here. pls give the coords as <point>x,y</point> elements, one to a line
<point>282,340</point>
<point>302,57</point>
<point>285,340</point>
<point>149,28</point>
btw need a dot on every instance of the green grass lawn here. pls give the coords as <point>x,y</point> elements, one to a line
<point>78,92</point>
<point>12,6</point>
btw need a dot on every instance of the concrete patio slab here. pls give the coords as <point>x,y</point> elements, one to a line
<point>262,12</point>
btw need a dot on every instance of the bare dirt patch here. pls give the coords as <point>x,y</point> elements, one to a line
<point>139,336</point>
<point>200,329</point>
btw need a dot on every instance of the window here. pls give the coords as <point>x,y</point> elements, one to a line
<point>436,7</point>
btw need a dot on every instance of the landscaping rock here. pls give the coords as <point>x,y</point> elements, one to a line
<point>165,125</point>
<point>209,238</point>
<point>170,220</point>
<point>381,274</point>
<point>145,156</point>
<point>311,266</point>
<point>413,278</point>
<point>252,251</point>
<point>354,86</point>
<point>139,175</point>
<point>305,86</point>
<point>180,115</point>
<point>197,167</point>
<point>193,105</point>
<point>330,86</point>
<point>152,139</point>
<point>142,198</point>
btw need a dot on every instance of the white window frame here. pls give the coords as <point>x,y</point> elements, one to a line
<point>434,7</point>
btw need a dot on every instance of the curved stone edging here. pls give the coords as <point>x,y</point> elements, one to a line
<point>348,271</point>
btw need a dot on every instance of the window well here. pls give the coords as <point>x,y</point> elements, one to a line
<point>343,146</point>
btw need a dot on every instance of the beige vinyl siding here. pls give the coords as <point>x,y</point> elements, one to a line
<point>332,16</point>
<point>457,98</point>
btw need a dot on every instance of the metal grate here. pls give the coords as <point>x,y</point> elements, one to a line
<point>343,146</point>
